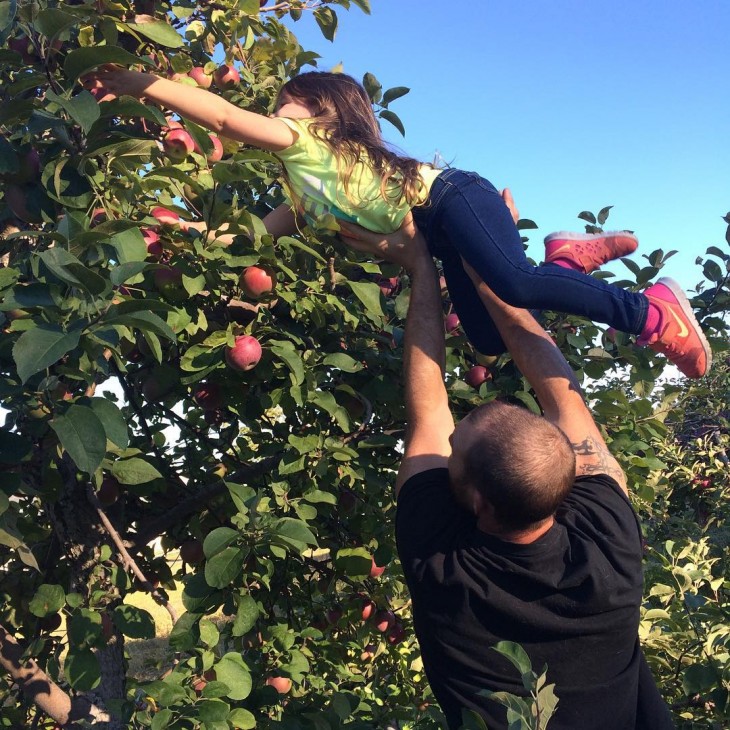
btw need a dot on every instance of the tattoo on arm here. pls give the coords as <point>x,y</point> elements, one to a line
<point>599,460</point>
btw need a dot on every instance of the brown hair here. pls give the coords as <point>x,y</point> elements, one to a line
<point>344,119</point>
<point>522,464</point>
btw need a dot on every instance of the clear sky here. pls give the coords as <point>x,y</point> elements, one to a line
<point>574,104</point>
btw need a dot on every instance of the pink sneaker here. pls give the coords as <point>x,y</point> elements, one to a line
<point>588,251</point>
<point>678,334</point>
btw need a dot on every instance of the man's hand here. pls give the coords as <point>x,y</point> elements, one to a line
<point>405,247</point>
<point>509,201</point>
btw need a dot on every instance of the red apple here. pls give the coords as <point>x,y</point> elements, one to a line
<point>226,77</point>
<point>368,652</point>
<point>376,570</point>
<point>217,153</point>
<point>29,167</point>
<point>51,622</point>
<point>17,198</point>
<point>109,491</point>
<point>384,620</point>
<point>451,322</point>
<point>98,215</point>
<point>388,285</point>
<point>152,239</point>
<point>200,77</point>
<point>208,396</point>
<point>257,281</point>
<point>347,501</point>
<point>477,375</point>
<point>165,217</point>
<point>395,634</point>
<point>334,615</point>
<point>191,551</point>
<point>245,353</point>
<point>178,144</point>
<point>281,684</point>
<point>368,608</point>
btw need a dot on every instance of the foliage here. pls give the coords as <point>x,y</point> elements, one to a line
<point>123,418</point>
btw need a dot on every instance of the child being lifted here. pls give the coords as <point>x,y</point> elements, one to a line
<point>326,134</point>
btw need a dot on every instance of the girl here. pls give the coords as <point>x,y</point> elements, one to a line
<point>335,160</point>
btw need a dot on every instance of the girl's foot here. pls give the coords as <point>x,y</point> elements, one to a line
<point>675,331</point>
<point>586,252</point>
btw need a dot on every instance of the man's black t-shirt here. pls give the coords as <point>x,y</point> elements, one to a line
<point>570,599</point>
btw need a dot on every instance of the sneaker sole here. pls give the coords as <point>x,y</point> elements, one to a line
<point>684,303</point>
<point>572,236</point>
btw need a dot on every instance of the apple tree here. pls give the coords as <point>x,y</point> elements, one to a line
<point>235,400</point>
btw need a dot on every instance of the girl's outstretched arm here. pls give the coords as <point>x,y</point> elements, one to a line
<point>200,106</point>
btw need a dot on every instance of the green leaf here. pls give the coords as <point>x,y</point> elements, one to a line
<point>232,670</point>
<point>144,321</point>
<point>69,269</point>
<point>82,435</point>
<point>394,119</point>
<point>125,272</point>
<point>136,623</point>
<point>528,400</point>
<point>364,5</point>
<point>213,711</point>
<point>395,93</point>
<point>219,539</point>
<point>161,719</point>
<point>516,654</point>
<point>699,677</point>
<point>81,669</point>
<point>368,292</point>
<point>327,22</point>
<point>353,562</point>
<point>224,567</point>
<point>286,352</point>
<point>7,14</point>
<point>129,245</point>
<point>134,471</point>
<point>115,427</point>
<point>249,7</point>
<point>159,32</point>
<point>290,242</point>
<point>51,22</point>
<point>293,532</point>
<point>185,633</point>
<point>586,215</point>
<point>82,108</point>
<point>242,719</point>
<point>246,615</point>
<point>41,347</point>
<point>48,599</point>
<point>343,362</point>
<point>603,214</point>
<point>82,60</point>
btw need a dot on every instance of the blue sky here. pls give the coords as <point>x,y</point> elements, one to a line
<point>574,104</point>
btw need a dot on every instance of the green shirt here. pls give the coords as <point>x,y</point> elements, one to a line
<point>316,187</point>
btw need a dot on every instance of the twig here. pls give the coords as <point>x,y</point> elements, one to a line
<point>128,562</point>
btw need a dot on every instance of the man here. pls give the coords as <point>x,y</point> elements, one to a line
<point>515,527</point>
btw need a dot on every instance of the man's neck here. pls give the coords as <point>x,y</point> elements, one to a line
<point>486,523</point>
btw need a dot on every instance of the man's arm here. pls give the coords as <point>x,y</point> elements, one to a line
<point>428,417</point>
<point>553,381</point>
<point>429,420</point>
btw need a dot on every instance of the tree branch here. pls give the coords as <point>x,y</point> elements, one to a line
<point>43,691</point>
<point>128,562</point>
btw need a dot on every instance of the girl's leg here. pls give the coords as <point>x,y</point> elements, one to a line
<point>476,222</point>
<point>475,320</point>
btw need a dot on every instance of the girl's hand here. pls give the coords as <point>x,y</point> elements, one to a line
<point>406,246</point>
<point>110,81</point>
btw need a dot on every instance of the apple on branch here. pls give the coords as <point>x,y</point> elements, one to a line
<point>257,280</point>
<point>245,353</point>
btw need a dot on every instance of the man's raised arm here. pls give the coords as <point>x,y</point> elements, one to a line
<point>553,381</point>
<point>429,420</point>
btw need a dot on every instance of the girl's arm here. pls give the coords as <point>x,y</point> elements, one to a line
<point>198,105</point>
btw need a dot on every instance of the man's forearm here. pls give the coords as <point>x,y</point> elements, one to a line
<point>424,346</point>
<point>534,353</point>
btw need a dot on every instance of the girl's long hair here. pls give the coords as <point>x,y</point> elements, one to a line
<point>344,119</point>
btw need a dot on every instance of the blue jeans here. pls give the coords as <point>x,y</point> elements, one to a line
<point>465,216</point>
